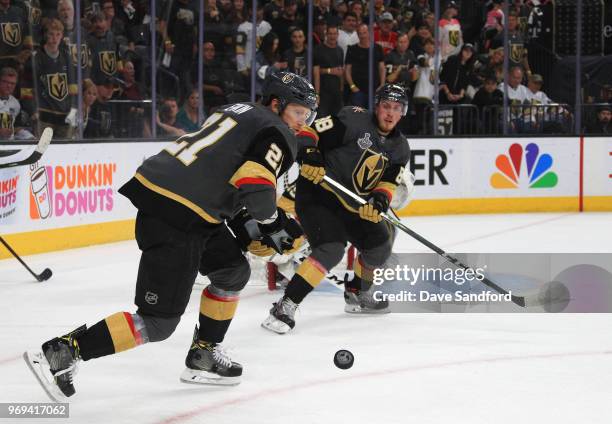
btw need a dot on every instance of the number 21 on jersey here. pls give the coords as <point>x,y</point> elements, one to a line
<point>187,146</point>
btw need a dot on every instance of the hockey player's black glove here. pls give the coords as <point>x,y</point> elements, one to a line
<point>245,228</point>
<point>283,234</point>
<point>312,165</point>
<point>377,203</point>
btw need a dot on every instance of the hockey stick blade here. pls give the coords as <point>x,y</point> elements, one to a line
<point>517,300</point>
<point>45,140</point>
<point>43,276</point>
<point>41,147</point>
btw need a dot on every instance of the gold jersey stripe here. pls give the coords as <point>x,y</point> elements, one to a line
<point>251,169</point>
<point>120,331</point>
<point>311,271</point>
<point>170,195</point>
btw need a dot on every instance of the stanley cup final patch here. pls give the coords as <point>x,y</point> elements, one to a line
<point>364,142</point>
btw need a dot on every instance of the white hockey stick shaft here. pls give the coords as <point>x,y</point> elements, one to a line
<point>520,301</point>
<point>29,156</point>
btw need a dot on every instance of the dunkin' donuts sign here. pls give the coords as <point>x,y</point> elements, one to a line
<point>70,190</point>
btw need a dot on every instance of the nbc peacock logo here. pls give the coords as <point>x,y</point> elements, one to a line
<point>524,168</point>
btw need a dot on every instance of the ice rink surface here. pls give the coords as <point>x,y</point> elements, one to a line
<point>409,368</point>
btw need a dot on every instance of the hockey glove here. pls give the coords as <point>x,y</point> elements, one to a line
<point>313,167</point>
<point>245,229</point>
<point>283,234</point>
<point>247,233</point>
<point>377,203</point>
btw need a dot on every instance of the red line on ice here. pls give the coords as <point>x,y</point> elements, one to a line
<point>508,230</point>
<point>185,416</point>
<point>11,359</point>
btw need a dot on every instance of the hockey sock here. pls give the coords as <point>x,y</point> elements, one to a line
<point>116,333</point>
<point>217,308</point>
<point>364,276</point>
<point>308,276</point>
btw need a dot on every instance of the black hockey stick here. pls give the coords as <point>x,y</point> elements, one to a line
<point>43,143</point>
<point>43,276</point>
<point>518,300</point>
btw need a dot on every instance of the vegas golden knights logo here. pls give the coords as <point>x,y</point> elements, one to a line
<point>5,120</point>
<point>11,33</point>
<point>35,15</point>
<point>453,38</point>
<point>108,62</point>
<point>516,52</point>
<point>84,55</point>
<point>368,171</point>
<point>58,86</point>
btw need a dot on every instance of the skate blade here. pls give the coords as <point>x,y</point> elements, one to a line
<point>356,309</point>
<point>275,325</point>
<point>203,377</point>
<point>37,363</point>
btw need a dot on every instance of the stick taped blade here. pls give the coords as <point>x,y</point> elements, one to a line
<point>45,140</point>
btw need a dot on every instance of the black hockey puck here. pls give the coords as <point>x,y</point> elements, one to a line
<point>554,297</point>
<point>344,359</point>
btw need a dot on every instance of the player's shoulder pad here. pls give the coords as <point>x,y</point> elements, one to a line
<point>352,114</point>
<point>355,118</point>
<point>402,147</point>
<point>264,121</point>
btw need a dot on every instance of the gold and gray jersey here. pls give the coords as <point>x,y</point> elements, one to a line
<point>33,13</point>
<point>104,57</point>
<point>358,157</point>
<point>232,162</point>
<point>14,32</point>
<point>54,87</point>
<point>70,43</point>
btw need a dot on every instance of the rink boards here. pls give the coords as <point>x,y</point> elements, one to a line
<point>70,199</point>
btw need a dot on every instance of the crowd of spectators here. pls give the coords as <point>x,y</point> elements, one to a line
<point>40,72</point>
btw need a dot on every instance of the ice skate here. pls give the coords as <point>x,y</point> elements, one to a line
<point>282,316</point>
<point>55,365</point>
<point>208,363</point>
<point>363,302</point>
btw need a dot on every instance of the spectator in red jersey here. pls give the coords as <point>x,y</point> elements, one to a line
<point>384,35</point>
